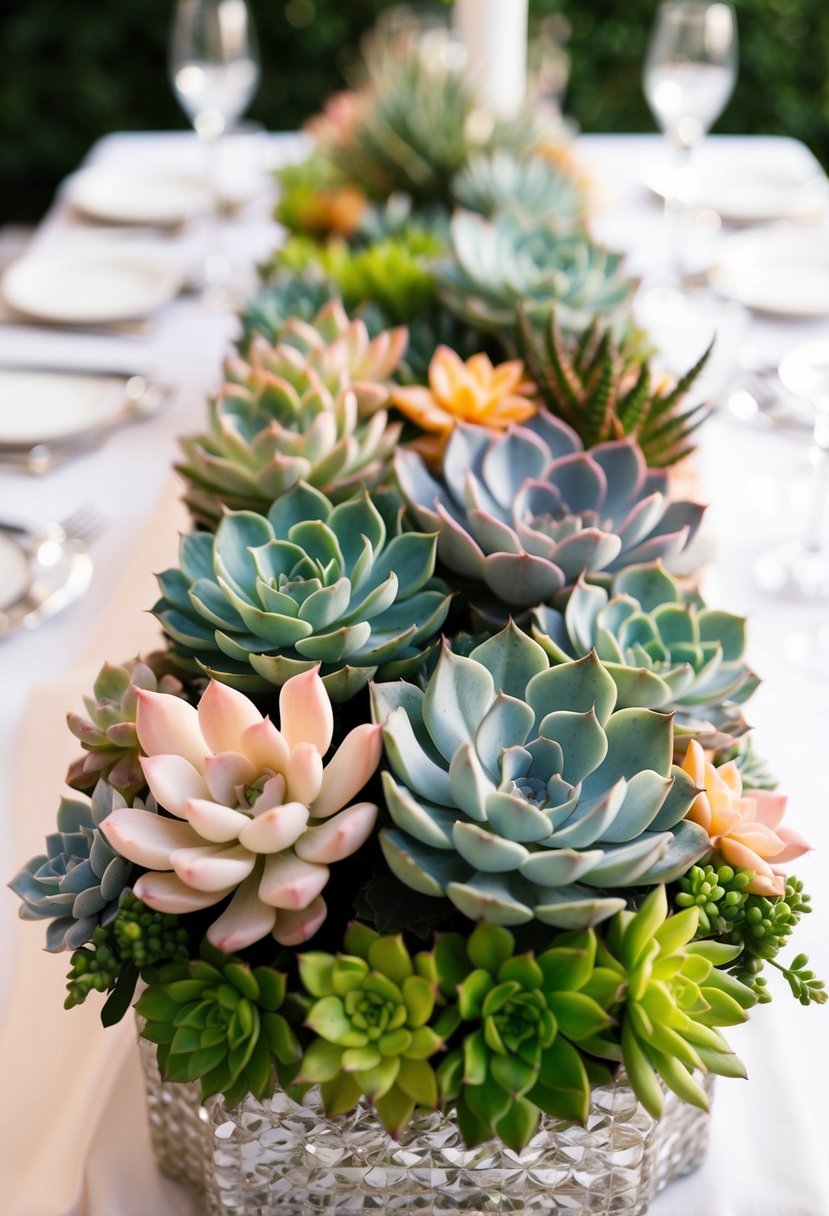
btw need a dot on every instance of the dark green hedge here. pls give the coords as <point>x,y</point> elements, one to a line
<point>71,70</point>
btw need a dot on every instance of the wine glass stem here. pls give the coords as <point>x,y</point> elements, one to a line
<point>677,213</point>
<point>813,537</point>
<point>216,265</point>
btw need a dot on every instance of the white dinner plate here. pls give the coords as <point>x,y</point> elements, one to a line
<point>161,197</point>
<point>779,271</point>
<point>805,371</point>
<point>751,191</point>
<point>89,286</point>
<point>14,571</point>
<point>46,407</point>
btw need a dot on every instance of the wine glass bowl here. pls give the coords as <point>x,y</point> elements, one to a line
<point>691,67</point>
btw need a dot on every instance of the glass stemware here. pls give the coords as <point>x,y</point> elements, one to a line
<point>214,68</point>
<point>690,73</point>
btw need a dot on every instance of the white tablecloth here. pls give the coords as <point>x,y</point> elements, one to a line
<point>71,1131</point>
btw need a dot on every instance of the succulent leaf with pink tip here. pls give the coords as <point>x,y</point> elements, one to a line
<point>254,813</point>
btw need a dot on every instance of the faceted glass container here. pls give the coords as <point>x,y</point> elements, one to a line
<point>277,1156</point>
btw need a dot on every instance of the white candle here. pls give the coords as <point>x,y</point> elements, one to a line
<point>494,33</point>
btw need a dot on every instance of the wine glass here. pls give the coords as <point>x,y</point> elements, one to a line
<point>690,73</point>
<point>214,68</point>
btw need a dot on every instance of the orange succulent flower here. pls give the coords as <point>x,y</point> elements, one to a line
<point>745,828</point>
<point>473,391</point>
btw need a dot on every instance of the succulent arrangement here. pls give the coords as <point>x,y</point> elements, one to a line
<point>440,796</point>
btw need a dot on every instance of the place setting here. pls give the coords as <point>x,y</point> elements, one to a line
<point>43,570</point>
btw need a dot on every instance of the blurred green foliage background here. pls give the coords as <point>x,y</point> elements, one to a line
<point>74,69</point>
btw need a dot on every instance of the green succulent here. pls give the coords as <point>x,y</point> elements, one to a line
<point>393,273</point>
<point>76,884</point>
<point>307,409</point>
<point>520,791</point>
<point>416,126</point>
<point>308,195</point>
<point>217,1020</point>
<point>663,648</point>
<point>531,186</point>
<point>718,893</point>
<point>309,583</point>
<point>606,390</point>
<point>500,266</point>
<point>529,1016</point>
<point>138,937</point>
<point>371,1011</point>
<point>284,297</point>
<point>676,996</point>
<point>107,734</point>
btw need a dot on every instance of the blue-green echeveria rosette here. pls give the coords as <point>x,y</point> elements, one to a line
<point>663,648</point>
<point>527,511</point>
<point>75,885</point>
<point>309,583</point>
<point>520,792</point>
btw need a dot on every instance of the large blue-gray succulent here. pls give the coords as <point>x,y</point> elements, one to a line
<point>519,790</point>
<point>76,883</point>
<point>663,648</point>
<point>308,583</point>
<point>527,511</point>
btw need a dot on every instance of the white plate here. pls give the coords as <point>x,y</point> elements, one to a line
<point>44,407</point>
<point>89,287</point>
<point>14,571</point>
<point>751,191</point>
<point>779,271</point>
<point>805,371</point>
<point>162,197</point>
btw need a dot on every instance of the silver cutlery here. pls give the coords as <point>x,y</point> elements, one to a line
<point>60,569</point>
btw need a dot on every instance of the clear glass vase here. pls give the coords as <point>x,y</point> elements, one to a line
<point>278,1156</point>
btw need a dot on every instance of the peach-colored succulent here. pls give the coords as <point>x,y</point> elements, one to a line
<point>336,122</point>
<point>473,391</point>
<point>745,828</point>
<point>256,814</point>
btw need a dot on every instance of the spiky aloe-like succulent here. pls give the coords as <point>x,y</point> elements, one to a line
<point>307,584</point>
<point>662,648</point>
<point>307,409</point>
<point>217,1020</point>
<point>523,1018</point>
<point>528,511</point>
<point>604,391</point>
<point>371,1008</point>
<point>413,125</point>
<point>75,885</point>
<point>675,998</point>
<point>498,266</point>
<point>529,185</point>
<point>519,790</point>
<point>252,811</point>
<point>108,734</point>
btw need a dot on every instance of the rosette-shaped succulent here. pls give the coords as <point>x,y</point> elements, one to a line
<point>108,734</point>
<point>254,814</point>
<point>216,1020</point>
<point>284,296</point>
<point>307,409</point>
<point>75,885</point>
<point>528,511</point>
<point>307,584</point>
<point>498,265</point>
<point>529,185</point>
<point>663,649</point>
<point>371,1008</point>
<point>604,389</point>
<point>458,391</point>
<point>745,829</point>
<point>519,790</point>
<point>529,1014</point>
<point>675,998</point>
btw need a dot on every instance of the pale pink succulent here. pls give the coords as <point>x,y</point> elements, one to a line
<point>256,813</point>
<point>745,828</point>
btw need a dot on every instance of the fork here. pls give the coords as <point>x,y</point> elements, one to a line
<point>77,528</point>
